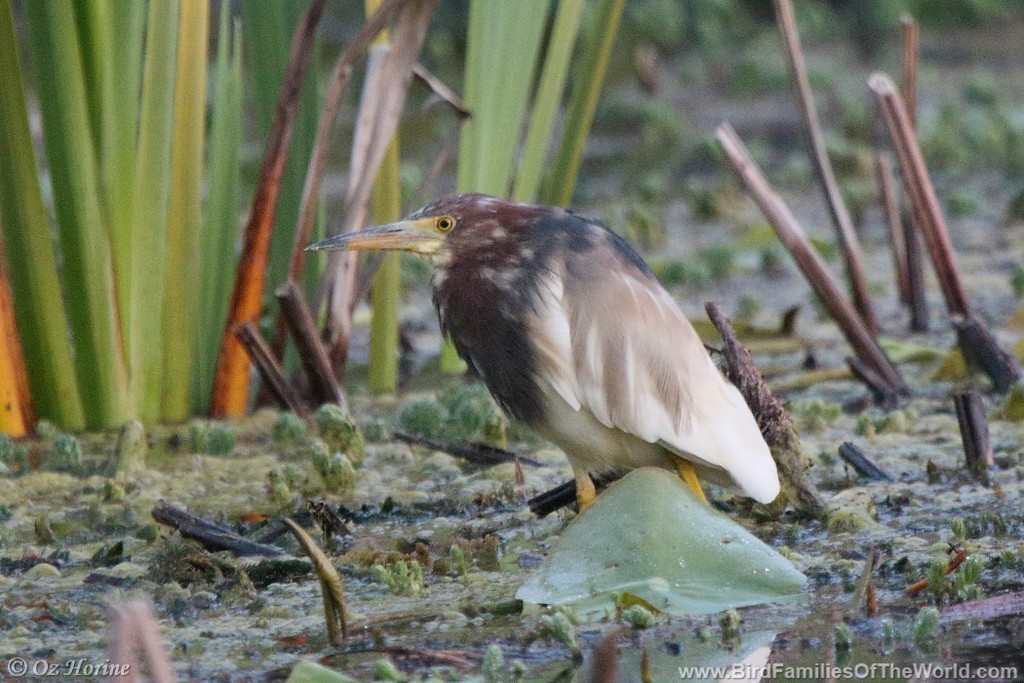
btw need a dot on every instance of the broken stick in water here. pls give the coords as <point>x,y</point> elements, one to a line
<point>970,413</point>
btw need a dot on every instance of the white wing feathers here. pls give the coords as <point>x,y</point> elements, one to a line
<point>649,375</point>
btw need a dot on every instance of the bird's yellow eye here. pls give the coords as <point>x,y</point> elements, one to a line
<point>445,223</point>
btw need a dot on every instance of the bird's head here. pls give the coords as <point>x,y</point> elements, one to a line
<point>432,231</point>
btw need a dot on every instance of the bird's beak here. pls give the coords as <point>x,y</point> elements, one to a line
<point>418,236</point>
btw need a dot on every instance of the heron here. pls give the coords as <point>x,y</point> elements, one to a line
<point>574,336</point>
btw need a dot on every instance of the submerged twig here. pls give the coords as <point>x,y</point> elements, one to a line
<point>208,534</point>
<point>323,384</point>
<point>477,453</point>
<point>330,585</point>
<point>460,659</point>
<point>881,391</point>
<point>819,154</point>
<point>987,608</point>
<point>864,589</point>
<point>563,495</point>
<point>269,369</point>
<point>810,262</point>
<point>859,461</point>
<point>982,351</point>
<point>970,414</point>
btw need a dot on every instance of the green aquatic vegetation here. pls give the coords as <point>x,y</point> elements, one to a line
<point>340,432</point>
<point>335,469</point>
<point>221,439</point>
<point>459,561</point>
<point>719,260</point>
<point>703,203</point>
<point>46,430</point>
<point>426,418</point>
<point>561,627</point>
<point>671,563</point>
<point>198,436</point>
<point>937,578</point>
<point>376,430</point>
<point>306,671</point>
<point>680,272</point>
<point>64,455</point>
<point>959,529</point>
<point>13,455</point>
<point>289,428</point>
<point>843,637</point>
<point>113,492</point>
<point>43,530</point>
<point>965,580</point>
<point>469,408</point>
<point>212,438</point>
<point>462,412</point>
<point>493,664</point>
<point>1013,407</point>
<point>894,422</point>
<point>401,578</point>
<point>386,670</point>
<point>926,628</point>
<point>961,203</point>
<point>638,616</point>
<point>1017,281</point>
<point>815,416</point>
<point>729,622</point>
<point>277,488</point>
<point>132,448</point>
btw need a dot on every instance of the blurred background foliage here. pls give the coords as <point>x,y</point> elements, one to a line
<point>99,290</point>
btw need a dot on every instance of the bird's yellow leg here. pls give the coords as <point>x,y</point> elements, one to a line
<point>689,475</point>
<point>585,490</point>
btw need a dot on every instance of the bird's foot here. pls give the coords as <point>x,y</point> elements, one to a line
<point>689,476</point>
<point>586,492</point>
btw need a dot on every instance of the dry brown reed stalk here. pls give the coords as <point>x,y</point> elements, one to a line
<point>315,360</point>
<point>852,253</point>
<point>976,341</point>
<point>908,79</point>
<point>915,267</point>
<point>891,208</point>
<point>231,381</point>
<point>792,235</point>
<point>132,630</point>
<point>774,421</point>
<point>341,74</point>
<point>389,72</point>
<point>330,585</point>
<point>270,370</point>
<point>970,414</point>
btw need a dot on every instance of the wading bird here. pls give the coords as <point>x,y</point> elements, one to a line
<point>574,336</point>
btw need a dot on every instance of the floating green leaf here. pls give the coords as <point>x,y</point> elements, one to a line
<point>649,536</point>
